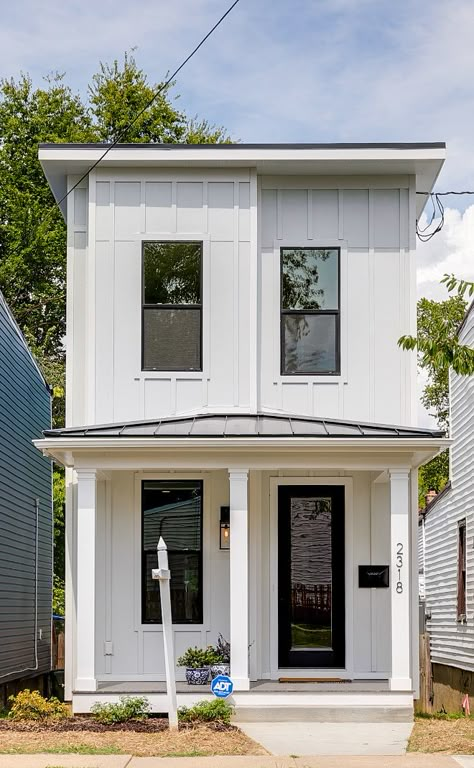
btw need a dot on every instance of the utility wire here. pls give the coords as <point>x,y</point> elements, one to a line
<point>157,93</point>
<point>443,194</point>
<point>425,234</point>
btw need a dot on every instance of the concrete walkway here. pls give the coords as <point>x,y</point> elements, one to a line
<point>313,738</point>
<point>127,761</point>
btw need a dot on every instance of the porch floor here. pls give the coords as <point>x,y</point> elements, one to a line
<point>258,686</point>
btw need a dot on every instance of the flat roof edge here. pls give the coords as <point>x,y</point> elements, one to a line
<point>223,147</point>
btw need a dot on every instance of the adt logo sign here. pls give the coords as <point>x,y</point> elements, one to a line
<point>222,686</point>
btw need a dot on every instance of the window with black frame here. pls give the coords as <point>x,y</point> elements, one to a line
<point>173,510</point>
<point>310,311</point>
<point>172,306</point>
<point>461,601</point>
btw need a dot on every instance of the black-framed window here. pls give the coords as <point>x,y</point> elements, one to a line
<point>461,597</point>
<point>172,306</point>
<point>173,509</point>
<point>310,311</point>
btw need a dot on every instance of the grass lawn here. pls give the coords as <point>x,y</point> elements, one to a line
<point>443,735</point>
<point>199,741</point>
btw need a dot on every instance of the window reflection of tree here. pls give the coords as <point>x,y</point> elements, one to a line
<point>300,291</point>
<point>172,273</point>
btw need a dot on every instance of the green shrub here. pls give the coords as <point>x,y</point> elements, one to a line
<point>30,705</point>
<point>59,600</point>
<point>195,658</point>
<point>128,708</point>
<point>206,712</point>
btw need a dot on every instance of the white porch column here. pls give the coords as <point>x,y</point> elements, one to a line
<point>239,586</point>
<point>85,585</point>
<point>400,579</point>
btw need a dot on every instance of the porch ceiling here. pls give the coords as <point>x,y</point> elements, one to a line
<point>259,440</point>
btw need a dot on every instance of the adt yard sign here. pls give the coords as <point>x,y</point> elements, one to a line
<point>222,686</point>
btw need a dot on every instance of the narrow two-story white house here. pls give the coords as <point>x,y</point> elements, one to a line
<point>234,385</point>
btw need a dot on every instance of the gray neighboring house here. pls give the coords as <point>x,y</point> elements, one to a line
<point>446,529</point>
<point>26,519</point>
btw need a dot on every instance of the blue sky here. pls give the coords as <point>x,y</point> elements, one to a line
<point>287,70</point>
<point>277,70</point>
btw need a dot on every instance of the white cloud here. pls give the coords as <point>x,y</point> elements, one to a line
<point>451,251</point>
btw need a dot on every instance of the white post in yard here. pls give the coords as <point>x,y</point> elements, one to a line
<point>163,575</point>
<point>400,579</point>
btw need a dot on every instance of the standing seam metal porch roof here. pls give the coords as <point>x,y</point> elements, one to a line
<point>256,425</point>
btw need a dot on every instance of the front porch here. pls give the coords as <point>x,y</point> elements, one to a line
<point>366,638</point>
<point>273,701</point>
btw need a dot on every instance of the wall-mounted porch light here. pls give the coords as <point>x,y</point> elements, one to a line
<point>224,541</point>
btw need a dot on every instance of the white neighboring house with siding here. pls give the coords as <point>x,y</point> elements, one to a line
<point>449,534</point>
<point>232,358</point>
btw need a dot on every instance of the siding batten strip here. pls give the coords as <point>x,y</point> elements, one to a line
<point>310,214</point>
<point>91,302</point>
<point>254,282</point>
<point>236,294</point>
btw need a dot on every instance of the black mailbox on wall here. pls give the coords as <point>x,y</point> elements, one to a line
<point>373,576</point>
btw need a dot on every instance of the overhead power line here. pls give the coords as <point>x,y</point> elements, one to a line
<point>443,194</point>
<point>425,234</point>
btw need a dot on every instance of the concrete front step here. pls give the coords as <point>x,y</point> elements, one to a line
<point>323,714</point>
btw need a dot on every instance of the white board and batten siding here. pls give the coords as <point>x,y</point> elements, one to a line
<point>124,210</point>
<point>242,221</point>
<point>368,219</point>
<point>452,642</point>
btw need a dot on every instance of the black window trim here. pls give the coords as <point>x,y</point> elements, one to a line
<point>144,621</point>
<point>176,307</point>
<point>335,312</point>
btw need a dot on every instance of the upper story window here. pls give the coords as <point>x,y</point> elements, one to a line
<point>172,306</point>
<point>310,323</point>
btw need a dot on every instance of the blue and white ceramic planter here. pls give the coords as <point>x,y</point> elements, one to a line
<point>220,669</point>
<point>198,676</point>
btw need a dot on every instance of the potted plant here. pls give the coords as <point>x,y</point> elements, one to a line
<point>222,650</point>
<point>197,662</point>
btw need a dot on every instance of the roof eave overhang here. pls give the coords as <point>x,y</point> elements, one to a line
<point>66,450</point>
<point>422,161</point>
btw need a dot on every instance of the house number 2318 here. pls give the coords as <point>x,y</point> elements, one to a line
<point>399,562</point>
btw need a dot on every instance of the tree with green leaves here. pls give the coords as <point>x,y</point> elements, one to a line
<point>32,231</point>
<point>122,105</point>
<point>441,346</point>
<point>439,349</point>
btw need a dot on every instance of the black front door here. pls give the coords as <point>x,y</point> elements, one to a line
<point>311,565</point>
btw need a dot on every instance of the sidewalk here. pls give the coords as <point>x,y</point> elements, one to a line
<point>321,739</point>
<point>414,760</point>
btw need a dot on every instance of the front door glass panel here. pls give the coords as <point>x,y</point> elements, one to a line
<point>311,576</point>
<point>311,573</point>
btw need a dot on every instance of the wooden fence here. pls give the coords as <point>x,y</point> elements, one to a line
<point>425,702</point>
